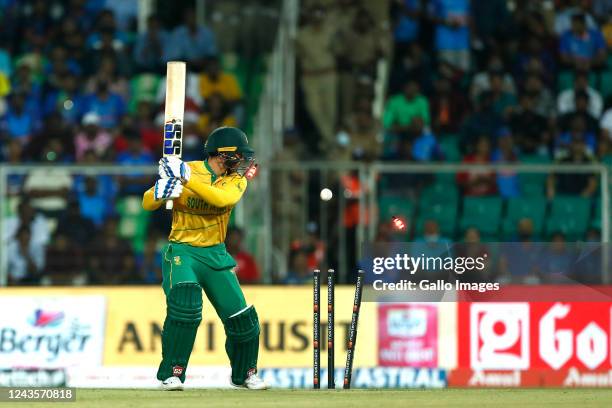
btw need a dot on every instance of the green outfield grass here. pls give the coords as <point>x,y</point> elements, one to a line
<point>117,398</point>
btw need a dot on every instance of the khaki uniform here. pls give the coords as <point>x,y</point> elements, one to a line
<point>319,81</point>
<point>360,50</point>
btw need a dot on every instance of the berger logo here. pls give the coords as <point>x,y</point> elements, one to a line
<point>43,318</point>
<point>495,379</point>
<point>177,261</point>
<point>177,371</point>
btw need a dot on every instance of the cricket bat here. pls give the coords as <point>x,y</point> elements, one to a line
<point>175,110</point>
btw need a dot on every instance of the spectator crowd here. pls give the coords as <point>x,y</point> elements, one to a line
<point>475,82</point>
<point>494,81</point>
<point>81,84</point>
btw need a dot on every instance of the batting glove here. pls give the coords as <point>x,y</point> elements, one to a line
<point>173,167</point>
<point>168,189</point>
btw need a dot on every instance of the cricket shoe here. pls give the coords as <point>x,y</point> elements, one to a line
<point>253,382</point>
<point>172,384</point>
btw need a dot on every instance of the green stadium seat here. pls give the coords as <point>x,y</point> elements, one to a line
<point>570,206</point>
<point>533,208</point>
<point>569,215</point>
<point>534,159</point>
<point>142,227</point>
<point>605,84</point>
<point>484,213</point>
<point>444,214</point>
<point>450,147</point>
<point>533,184</point>
<point>446,178</point>
<point>596,220</point>
<point>565,80</point>
<point>131,205</point>
<point>10,206</point>
<point>229,61</point>
<point>440,193</point>
<point>388,206</point>
<point>573,229</point>
<point>133,221</point>
<point>143,87</point>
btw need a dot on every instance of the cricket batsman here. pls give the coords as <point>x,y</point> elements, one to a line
<point>195,258</point>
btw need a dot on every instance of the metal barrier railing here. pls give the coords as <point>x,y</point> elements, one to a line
<point>281,201</point>
<point>274,258</point>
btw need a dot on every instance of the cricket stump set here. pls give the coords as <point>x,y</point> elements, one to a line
<point>316,337</point>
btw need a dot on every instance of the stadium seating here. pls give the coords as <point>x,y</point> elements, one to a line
<point>569,215</point>
<point>605,84</point>
<point>440,193</point>
<point>483,213</point>
<point>395,205</point>
<point>449,145</point>
<point>133,221</point>
<point>533,184</point>
<point>533,208</point>
<point>445,214</point>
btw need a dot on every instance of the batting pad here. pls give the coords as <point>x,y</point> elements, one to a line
<point>184,314</point>
<point>242,343</point>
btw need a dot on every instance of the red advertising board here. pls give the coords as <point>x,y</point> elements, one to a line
<point>549,336</point>
<point>464,377</point>
<point>407,335</point>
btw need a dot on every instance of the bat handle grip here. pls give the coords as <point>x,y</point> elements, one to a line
<point>169,204</point>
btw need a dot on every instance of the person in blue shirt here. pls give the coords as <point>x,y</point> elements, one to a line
<point>19,122</point>
<point>93,200</point>
<point>425,146</point>
<point>406,25</point>
<point>506,153</point>
<point>299,273</point>
<point>191,42</point>
<point>149,50</point>
<point>452,33</point>
<point>135,154</point>
<point>109,106</point>
<point>59,65</point>
<point>106,23</point>
<point>582,48</point>
<point>559,263</point>
<point>23,83</point>
<point>67,100</point>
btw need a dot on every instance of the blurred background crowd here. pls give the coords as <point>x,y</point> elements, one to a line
<point>82,82</point>
<point>474,82</point>
<point>459,81</point>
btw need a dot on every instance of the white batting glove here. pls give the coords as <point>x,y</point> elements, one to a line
<point>167,189</point>
<point>173,167</point>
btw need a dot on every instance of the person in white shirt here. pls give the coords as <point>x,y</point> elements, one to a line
<point>28,217</point>
<point>26,257</point>
<point>566,102</point>
<point>606,122</point>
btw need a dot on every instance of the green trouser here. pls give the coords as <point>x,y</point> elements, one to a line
<point>186,271</point>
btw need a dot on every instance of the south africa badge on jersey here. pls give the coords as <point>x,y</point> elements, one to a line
<point>177,260</point>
